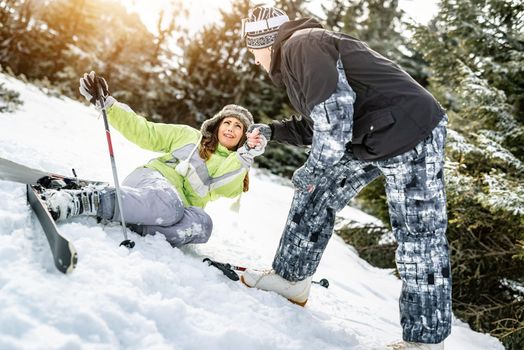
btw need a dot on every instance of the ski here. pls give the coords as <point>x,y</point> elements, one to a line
<point>11,171</point>
<point>230,271</point>
<point>64,253</point>
<point>16,172</point>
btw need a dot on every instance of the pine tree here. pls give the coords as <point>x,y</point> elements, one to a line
<point>9,100</point>
<point>100,36</point>
<point>55,42</point>
<point>65,20</point>
<point>382,25</point>
<point>295,8</point>
<point>23,41</point>
<point>159,92</point>
<point>216,69</point>
<point>476,60</point>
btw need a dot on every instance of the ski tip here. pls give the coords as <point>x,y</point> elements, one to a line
<point>74,260</point>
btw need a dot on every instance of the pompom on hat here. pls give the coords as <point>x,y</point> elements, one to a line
<point>261,26</point>
<point>232,110</point>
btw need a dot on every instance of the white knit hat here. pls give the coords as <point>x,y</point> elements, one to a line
<point>261,26</point>
<point>236,111</point>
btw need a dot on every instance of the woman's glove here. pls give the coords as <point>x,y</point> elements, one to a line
<point>263,130</point>
<point>94,88</point>
<point>257,147</point>
<point>253,151</point>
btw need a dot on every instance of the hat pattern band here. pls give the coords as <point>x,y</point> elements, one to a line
<point>261,41</point>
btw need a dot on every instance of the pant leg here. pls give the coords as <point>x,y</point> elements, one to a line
<point>147,198</point>
<point>417,207</point>
<point>311,218</point>
<point>195,227</point>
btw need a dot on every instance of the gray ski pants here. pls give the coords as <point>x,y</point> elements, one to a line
<point>417,208</point>
<point>151,204</point>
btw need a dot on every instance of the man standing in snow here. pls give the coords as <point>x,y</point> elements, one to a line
<point>363,116</point>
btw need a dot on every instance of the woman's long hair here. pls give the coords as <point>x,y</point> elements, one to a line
<point>209,145</point>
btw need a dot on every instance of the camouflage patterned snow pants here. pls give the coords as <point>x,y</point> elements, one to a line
<point>417,208</point>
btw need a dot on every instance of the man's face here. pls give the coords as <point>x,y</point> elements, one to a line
<point>262,57</point>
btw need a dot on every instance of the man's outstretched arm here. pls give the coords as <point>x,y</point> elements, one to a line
<point>296,131</point>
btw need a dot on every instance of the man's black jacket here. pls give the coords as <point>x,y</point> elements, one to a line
<point>392,112</point>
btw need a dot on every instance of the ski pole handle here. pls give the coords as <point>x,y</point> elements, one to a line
<point>226,269</point>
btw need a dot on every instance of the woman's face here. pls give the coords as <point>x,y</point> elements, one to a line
<point>230,132</point>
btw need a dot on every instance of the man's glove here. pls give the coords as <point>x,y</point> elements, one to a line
<point>94,87</point>
<point>303,179</point>
<point>263,128</point>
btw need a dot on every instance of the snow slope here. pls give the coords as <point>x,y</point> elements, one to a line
<point>157,297</point>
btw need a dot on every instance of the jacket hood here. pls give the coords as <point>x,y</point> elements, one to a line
<point>285,31</point>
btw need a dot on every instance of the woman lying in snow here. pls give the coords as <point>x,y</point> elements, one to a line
<point>168,194</point>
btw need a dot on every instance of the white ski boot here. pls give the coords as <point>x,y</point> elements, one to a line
<point>296,292</point>
<point>63,204</point>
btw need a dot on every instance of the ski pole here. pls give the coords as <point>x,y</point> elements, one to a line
<point>126,242</point>
<point>229,271</point>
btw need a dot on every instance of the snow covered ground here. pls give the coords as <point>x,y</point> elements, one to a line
<point>157,297</point>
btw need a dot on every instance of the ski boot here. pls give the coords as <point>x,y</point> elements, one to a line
<point>296,292</point>
<point>66,203</point>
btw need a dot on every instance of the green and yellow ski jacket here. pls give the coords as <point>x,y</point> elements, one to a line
<point>220,176</point>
